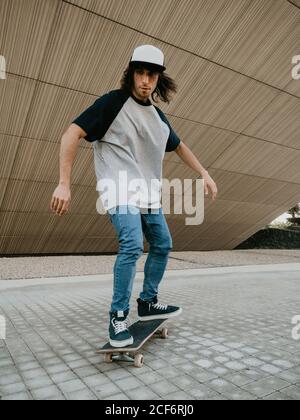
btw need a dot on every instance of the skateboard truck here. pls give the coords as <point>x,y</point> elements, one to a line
<point>137,360</point>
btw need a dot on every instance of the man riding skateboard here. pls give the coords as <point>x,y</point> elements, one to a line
<point>131,135</point>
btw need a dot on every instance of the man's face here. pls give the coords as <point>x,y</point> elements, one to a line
<point>145,82</point>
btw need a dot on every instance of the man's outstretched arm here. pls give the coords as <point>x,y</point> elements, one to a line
<point>185,153</point>
<point>61,198</point>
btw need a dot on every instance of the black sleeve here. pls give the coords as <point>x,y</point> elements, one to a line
<point>97,119</point>
<point>173,140</point>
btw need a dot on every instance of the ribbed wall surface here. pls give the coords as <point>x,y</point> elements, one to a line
<point>237,108</point>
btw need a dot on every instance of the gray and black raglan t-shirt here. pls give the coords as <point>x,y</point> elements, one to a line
<point>130,138</point>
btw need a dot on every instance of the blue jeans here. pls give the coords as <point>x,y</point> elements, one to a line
<point>130,223</point>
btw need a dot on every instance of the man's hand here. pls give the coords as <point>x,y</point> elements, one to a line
<point>61,199</point>
<point>209,183</point>
<point>191,160</point>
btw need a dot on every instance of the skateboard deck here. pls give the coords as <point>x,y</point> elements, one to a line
<point>141,332</point>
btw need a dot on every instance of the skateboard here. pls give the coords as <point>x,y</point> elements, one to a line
<point>141,332</point>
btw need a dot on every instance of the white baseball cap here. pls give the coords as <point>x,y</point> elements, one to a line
<point>150,55</point>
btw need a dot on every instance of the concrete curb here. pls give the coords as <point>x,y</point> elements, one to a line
<point>13,284</point>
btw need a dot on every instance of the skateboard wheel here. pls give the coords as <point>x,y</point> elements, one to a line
<point>139,361</point>
<point>108,358</point>
<point>164,333</point>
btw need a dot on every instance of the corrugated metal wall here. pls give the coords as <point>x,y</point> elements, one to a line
<point>237,108</point>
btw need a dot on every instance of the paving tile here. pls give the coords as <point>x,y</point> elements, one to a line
<point>82,395</point>
<point>106,390</point>
<point>72,386</point>
<point>117,397</point>
<point>9,379</point>
<point>22,396</point>
<point>46,393</point>
<point>202,392</point>
<point>292,392</point>
<point>14,388</point>
<point>265,387</point>
<point>129,383</point>
<point>38,382</point>
<point>204,363</point>
<point>277,396</point>
<point>273,370</point>
<point>222,386</point>
<point>141,393</point>
<point>179,395</point>
<point>238,379</point>
<point>163,388</point>
<point>184,382</point>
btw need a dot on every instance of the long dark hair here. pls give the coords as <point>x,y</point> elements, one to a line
<point>166,86</point>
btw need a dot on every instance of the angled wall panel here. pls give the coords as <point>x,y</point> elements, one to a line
<point>237,108</point>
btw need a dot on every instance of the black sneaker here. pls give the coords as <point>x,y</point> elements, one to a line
<point>153,310</point>
<point>119,335</point>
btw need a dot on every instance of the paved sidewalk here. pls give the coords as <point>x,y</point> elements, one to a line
<point>233,340</point>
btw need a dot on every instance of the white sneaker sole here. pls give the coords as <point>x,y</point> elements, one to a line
<point>121,344</point>
<point>166,316</point>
